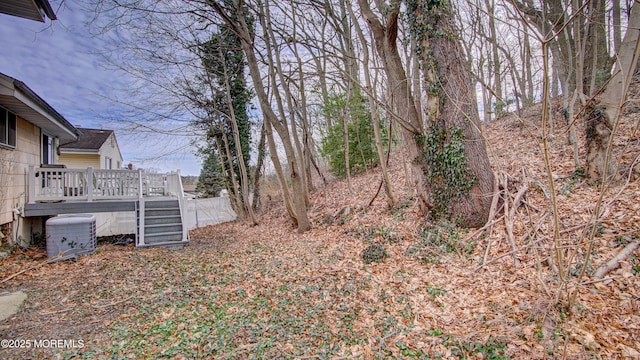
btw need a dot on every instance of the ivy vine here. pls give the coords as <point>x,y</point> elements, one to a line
<point>423,17</point>
<point>445,167</point>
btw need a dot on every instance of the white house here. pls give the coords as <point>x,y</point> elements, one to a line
<point>94,148</point>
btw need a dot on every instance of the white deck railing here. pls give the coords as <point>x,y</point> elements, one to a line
<point>174,187</point>
<point>61,184</point>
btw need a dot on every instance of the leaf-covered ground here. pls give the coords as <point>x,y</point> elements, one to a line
<point>241,292</point>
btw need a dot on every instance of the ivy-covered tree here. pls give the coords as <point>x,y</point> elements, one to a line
<point>228,124</point>
<point>455,160</point>
<point>224,62</point>
<point>448,154</point>
<point>361,139</point>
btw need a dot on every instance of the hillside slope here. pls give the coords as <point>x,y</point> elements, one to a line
<point>518,294</point>
<point>267,292</point>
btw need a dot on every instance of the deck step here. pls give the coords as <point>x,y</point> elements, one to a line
<point>171,228</point>
<point>157,220</point>
<point>161,204</point>
<point>166,244</point>
<point>170,216</point>
<point>161,208</point>
<point>149,226</point>
<point>162,237</point>
<point>161,212</point>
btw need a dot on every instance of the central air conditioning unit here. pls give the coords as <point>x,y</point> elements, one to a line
<point>71,235</point>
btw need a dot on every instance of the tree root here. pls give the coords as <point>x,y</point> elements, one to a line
<point>615,262</point>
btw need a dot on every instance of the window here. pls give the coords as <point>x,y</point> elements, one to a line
<point>47,149</point>
<point>7,128</point>
<point>107,163</point>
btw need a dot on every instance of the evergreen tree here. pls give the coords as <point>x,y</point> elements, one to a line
<point>362,150</point>
<point>210,181</point>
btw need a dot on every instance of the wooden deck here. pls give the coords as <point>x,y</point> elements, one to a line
<point>78,207</point>
<point>156,198</point>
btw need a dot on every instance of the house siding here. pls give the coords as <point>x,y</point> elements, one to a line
<point>110,149</point>
<point>80,161</point>
<point>14,164</point>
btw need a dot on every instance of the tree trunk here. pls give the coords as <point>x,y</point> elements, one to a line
<point>273,154</point>
<point>345,139</point>
<point>580,39</point>
<point>244,178</point>
<point>530,93</point>
<point>549,20</point>
<point>257,174</point>
<point>617,37</point>
<point>495,58</point>
<point>227,184</point>
<point>385,38</point>
<point>285,84</point>
<point>374,111</point>
<point>603,121</point>
<point>597,55</point>
<point>452,112</point>
<point>235,193</point>
<point>416,81</point>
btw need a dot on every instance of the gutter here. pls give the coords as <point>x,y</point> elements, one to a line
<point>63,150</point>
<point>46,8</point>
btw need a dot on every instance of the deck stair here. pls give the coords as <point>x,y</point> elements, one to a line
<point>162,224</point>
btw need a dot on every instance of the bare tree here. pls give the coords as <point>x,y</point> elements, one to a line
<point>371,93</point>
<point>385,34</point>
<point>247,36</point>
<point>604,119</point>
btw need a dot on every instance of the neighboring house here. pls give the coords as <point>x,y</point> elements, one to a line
<point>28,9</point>
<point>30,131</point>
<point>94,148</point>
